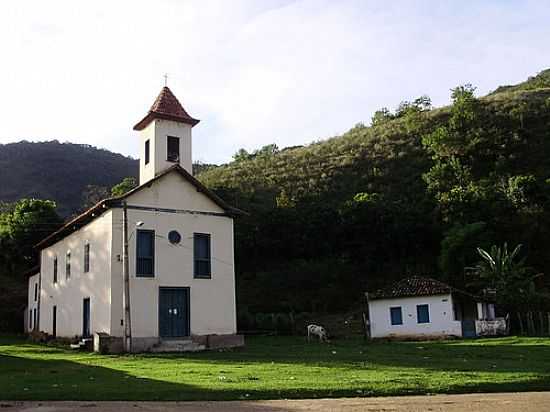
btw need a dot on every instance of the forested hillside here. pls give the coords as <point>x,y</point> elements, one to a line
<point>67,173</point>
<point>415,193</point>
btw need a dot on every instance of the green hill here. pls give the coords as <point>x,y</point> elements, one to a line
<point>59,171</point>
<point>540,81</point>
<point>414,193</point>
<point>337,217</point>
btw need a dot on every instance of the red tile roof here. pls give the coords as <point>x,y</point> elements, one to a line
<point>168,107</point>
<point>413,286</point>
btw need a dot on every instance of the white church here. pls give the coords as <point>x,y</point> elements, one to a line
<point>150,270</point>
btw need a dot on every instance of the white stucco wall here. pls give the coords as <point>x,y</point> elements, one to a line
<point>212,301</point>
<point>32,304</point>
<point>441,323</point>
<point>68,294</point>
<point>157,133</point>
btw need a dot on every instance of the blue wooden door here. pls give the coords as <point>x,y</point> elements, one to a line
<point>173,312</point>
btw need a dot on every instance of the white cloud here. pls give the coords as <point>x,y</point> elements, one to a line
<point>254,72</point>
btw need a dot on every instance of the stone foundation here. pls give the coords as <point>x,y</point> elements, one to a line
<point>104,343</point>
<point>219,341</point>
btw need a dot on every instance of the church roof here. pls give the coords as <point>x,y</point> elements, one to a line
<point>114,202</point>
<point>168,107</point>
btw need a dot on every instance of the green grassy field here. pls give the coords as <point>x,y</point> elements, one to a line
<point>277,367</point>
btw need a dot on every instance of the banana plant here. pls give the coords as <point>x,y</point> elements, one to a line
<point>501,270</point>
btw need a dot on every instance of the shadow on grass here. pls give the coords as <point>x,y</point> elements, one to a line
<point>435,355</point>
<point>59,380</point>
<point>383,369</point>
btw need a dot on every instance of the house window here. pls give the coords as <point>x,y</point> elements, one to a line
<point>173,149</point>
<point>86,258</point>
<point>201,252</point>
<point>34,325</point>
<point>422,314</point>
<point>396,316</point>
<point>30,320</point>
<point>54,321</point>
<point>147,146</point>
<point>145,256</point>
<point>68,265</point>
<point>35,292</point>
<point>55,269</point>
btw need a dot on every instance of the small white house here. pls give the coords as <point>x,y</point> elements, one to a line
<point>420,307</point>
<point>181,287</point>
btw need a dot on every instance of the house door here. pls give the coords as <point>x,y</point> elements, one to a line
<point>86,318</point>
<point>468,328</point>
<point>54,321</point>
<point>173,312</point>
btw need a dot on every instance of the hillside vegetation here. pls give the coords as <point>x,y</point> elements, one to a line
<point>415,193</point>
<point>67,173</point>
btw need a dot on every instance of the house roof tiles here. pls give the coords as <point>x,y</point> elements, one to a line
<point>415,286</point>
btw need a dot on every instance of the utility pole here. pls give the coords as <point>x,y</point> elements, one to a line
<point>126,276</point>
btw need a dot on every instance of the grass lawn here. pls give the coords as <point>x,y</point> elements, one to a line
<point>277,367</point>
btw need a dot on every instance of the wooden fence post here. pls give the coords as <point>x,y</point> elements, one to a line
<point>532,330</point>
<point>520,324</point>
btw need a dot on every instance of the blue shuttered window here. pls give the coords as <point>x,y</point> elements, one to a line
<point>422,314</point>
<point>396,316</point>
<point>145,256</point>
<point>201,252</point>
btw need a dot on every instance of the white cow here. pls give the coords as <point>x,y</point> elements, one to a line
<point>316,330</point>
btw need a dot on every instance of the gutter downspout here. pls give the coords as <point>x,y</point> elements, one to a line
<point>126,277</point>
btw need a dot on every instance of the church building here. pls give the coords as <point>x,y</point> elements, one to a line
<point>150,270</point>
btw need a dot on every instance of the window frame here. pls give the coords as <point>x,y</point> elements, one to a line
<point>152,257</point>
<point>168,157</point>
<point>68,265</point>
<point>418,308</point>
<point>196,259</point>
<point>36,292</point>
<point>86,268</point>
<point>392,309</point>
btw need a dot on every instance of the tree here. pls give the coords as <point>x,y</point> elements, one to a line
<point>127,184</point>
<point>453,148</point>
<point>241,155</point>
<point>457,252</point>
<point>381,116</point>
<point>93,194</point>
<point>507,274</point>
<point>22,226</point>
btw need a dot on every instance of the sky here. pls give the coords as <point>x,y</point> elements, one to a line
<point>254,71</point>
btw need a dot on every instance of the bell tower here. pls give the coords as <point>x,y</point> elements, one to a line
<point>165,137</point>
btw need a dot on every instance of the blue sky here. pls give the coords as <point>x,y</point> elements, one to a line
<point>254,72</point>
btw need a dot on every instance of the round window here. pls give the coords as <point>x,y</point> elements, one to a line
<point>174,236</point>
